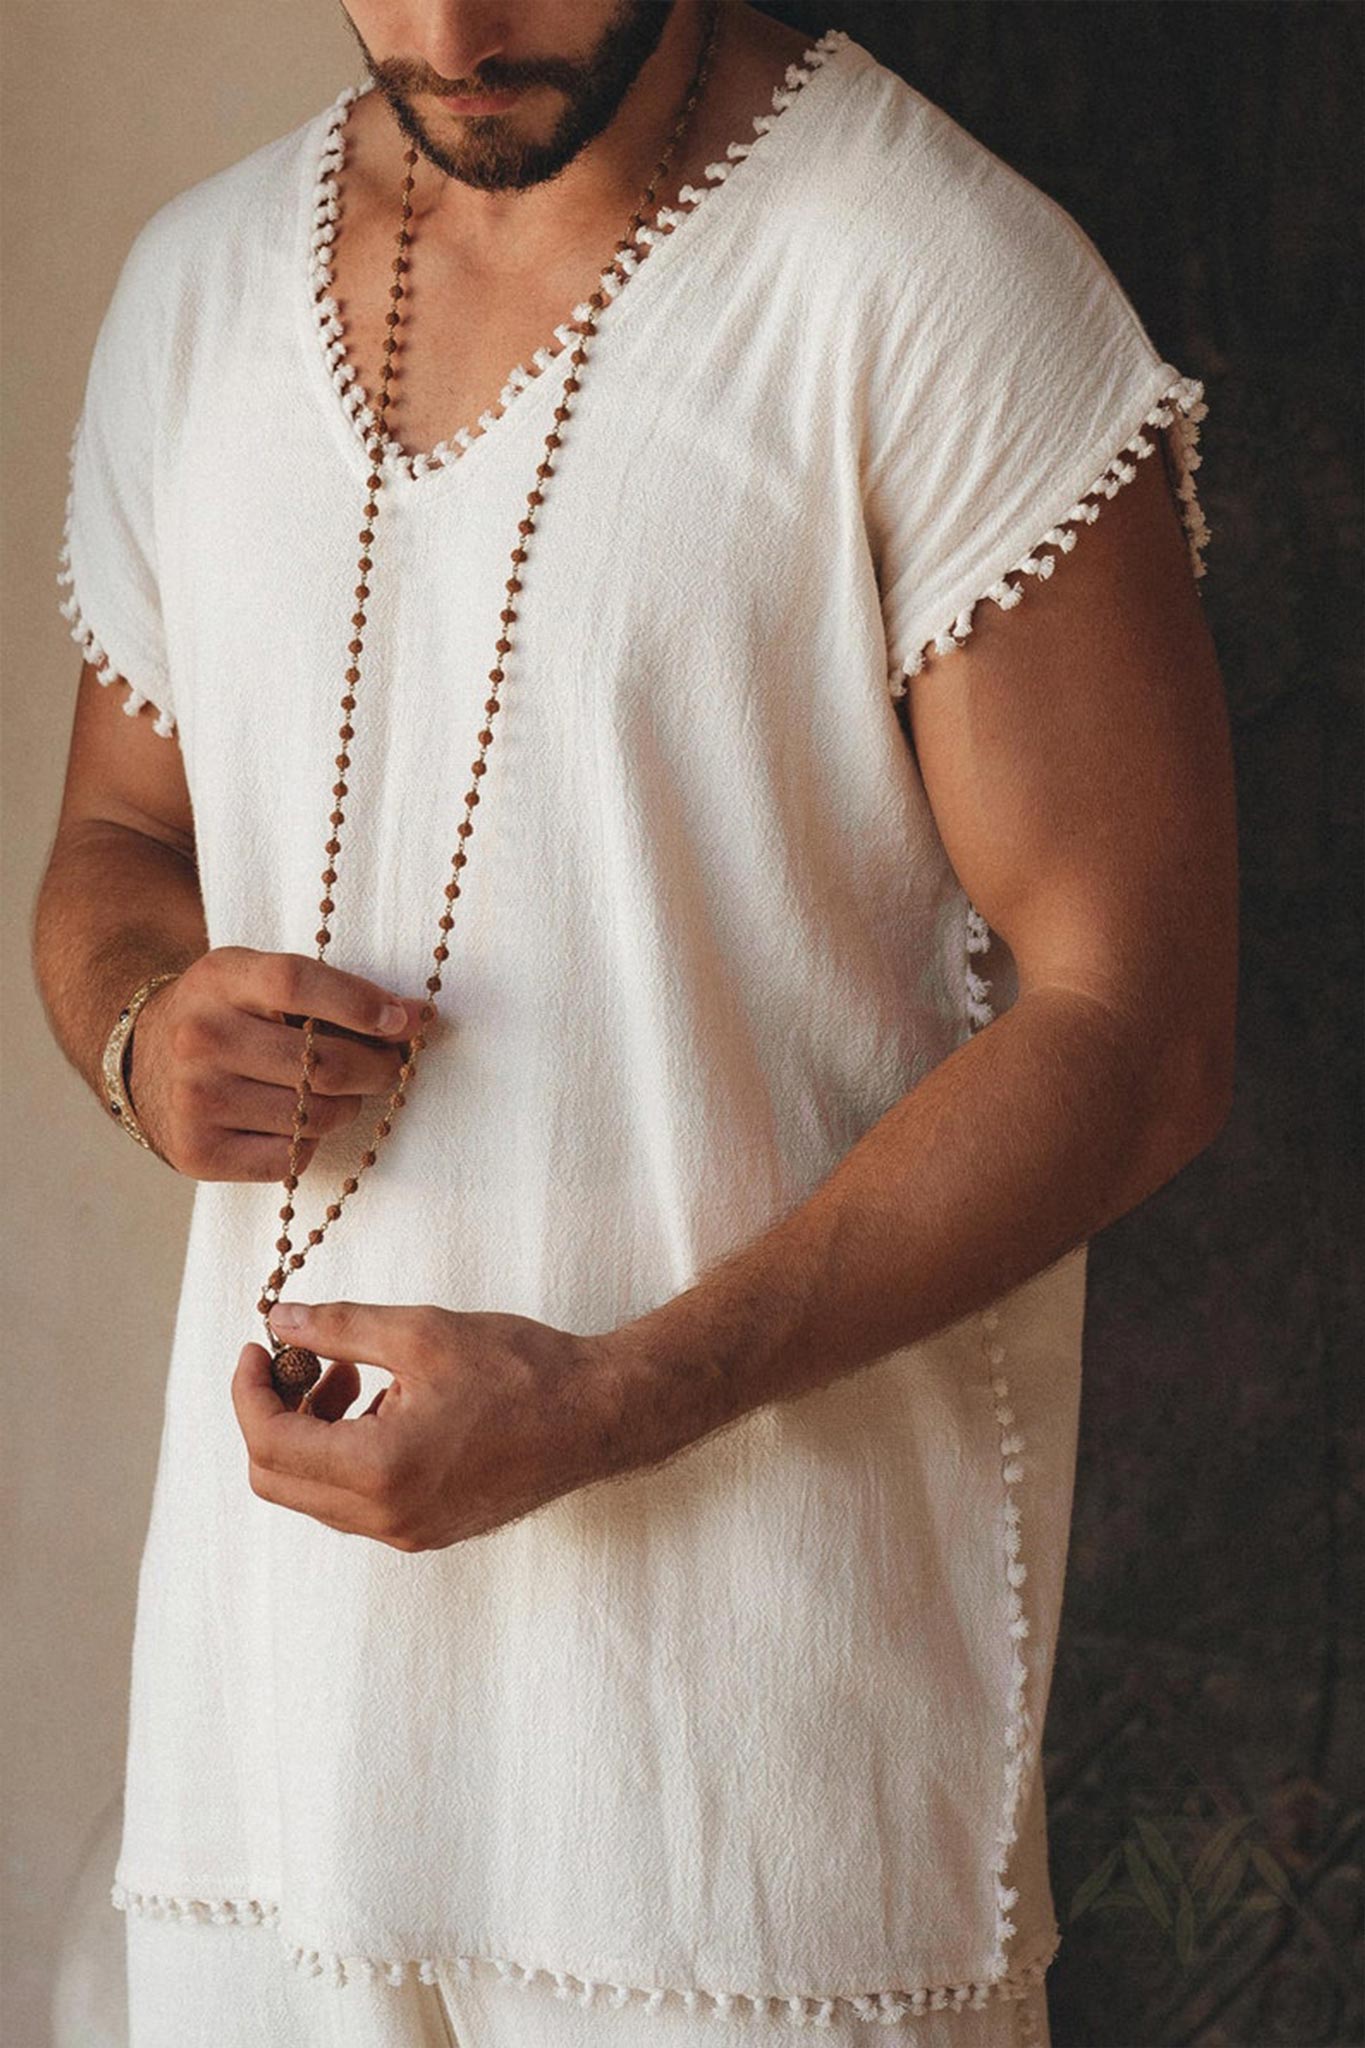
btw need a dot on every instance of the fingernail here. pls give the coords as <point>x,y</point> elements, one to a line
<point>287,1315</point>
<point>392,1017</point>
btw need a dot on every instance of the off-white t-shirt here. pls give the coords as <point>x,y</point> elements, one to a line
<point>762,1723</point>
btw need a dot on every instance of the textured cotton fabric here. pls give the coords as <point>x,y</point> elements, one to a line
<point>223,1987</point>
<point>762,1724</point>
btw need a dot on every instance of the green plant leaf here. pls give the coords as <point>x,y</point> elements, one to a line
<point>1119,1899</point>
<point>1216,1848</point>
<point>1159,1849</point>
<point>1274,1875</point>
<point>1227,1881</point>
<point>1090,1888</point>
<point>1145,1884</point>
<point>1185,1922</point>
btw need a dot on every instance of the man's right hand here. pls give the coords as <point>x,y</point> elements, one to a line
<point>215,1067</point>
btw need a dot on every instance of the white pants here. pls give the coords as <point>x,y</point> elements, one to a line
<point>194,1984</point>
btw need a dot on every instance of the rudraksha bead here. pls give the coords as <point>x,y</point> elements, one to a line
<point>295,1369</point>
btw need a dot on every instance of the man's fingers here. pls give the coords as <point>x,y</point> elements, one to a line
<point>349,1513</point>
<point>295,1444</point>
<point>335,1391</point>
<point>234,1104</point>
<point>292,984</point>
<point>271,1052</point>
<point>371,1332</point>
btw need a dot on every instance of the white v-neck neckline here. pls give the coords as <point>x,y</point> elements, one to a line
<point>334,377</point>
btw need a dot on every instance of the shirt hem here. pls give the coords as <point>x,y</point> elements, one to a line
<point>1023,1975</point>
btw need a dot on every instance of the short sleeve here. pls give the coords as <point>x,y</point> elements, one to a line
<point>107,565</point>
<point>1012,392</point>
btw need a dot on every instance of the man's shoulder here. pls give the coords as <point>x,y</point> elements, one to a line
<point>915,194</point>
<point>201,234</point>
<point>938,233</point>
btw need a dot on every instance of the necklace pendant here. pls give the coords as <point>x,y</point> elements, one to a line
<point>294,1370</point>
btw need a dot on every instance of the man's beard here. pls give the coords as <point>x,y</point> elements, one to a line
<point>489,154</point>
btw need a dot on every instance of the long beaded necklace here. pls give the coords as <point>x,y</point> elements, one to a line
<point>294,1368</point>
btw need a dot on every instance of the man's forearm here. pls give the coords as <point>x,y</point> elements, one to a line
<point>114,907</point>
<point>1025,1142</point>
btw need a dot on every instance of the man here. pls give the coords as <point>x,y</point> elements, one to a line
<point>672,1631</point>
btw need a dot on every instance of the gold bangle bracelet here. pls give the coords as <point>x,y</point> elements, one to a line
<point>112,1061</point>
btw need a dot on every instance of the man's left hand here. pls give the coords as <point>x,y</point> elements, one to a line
<point>487,1417</point>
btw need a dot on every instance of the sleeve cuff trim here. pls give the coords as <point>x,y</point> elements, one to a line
<point>84,635</point>
<point>1182,402</point>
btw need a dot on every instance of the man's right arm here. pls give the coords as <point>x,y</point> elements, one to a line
<point>119,900</point>
<point>216,1060</point>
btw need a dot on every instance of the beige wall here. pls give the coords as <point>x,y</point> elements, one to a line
<point>107,111</point>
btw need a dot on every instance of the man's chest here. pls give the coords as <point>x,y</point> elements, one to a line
<point>461,333</point>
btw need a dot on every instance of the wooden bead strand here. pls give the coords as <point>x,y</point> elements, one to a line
<point>294,1368</point>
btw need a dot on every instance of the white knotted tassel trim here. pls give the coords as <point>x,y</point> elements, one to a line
<point>817,2009</point>
<point>331,332</point>
<point>84,634</point>
<point>1020,1743</point>
<point>1181,405</point>
<point>978,938</point>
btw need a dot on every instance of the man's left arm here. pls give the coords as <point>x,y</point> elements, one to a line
<point>1077,755</point>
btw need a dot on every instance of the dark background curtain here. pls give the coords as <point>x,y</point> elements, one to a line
<point>1205,1736</point>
